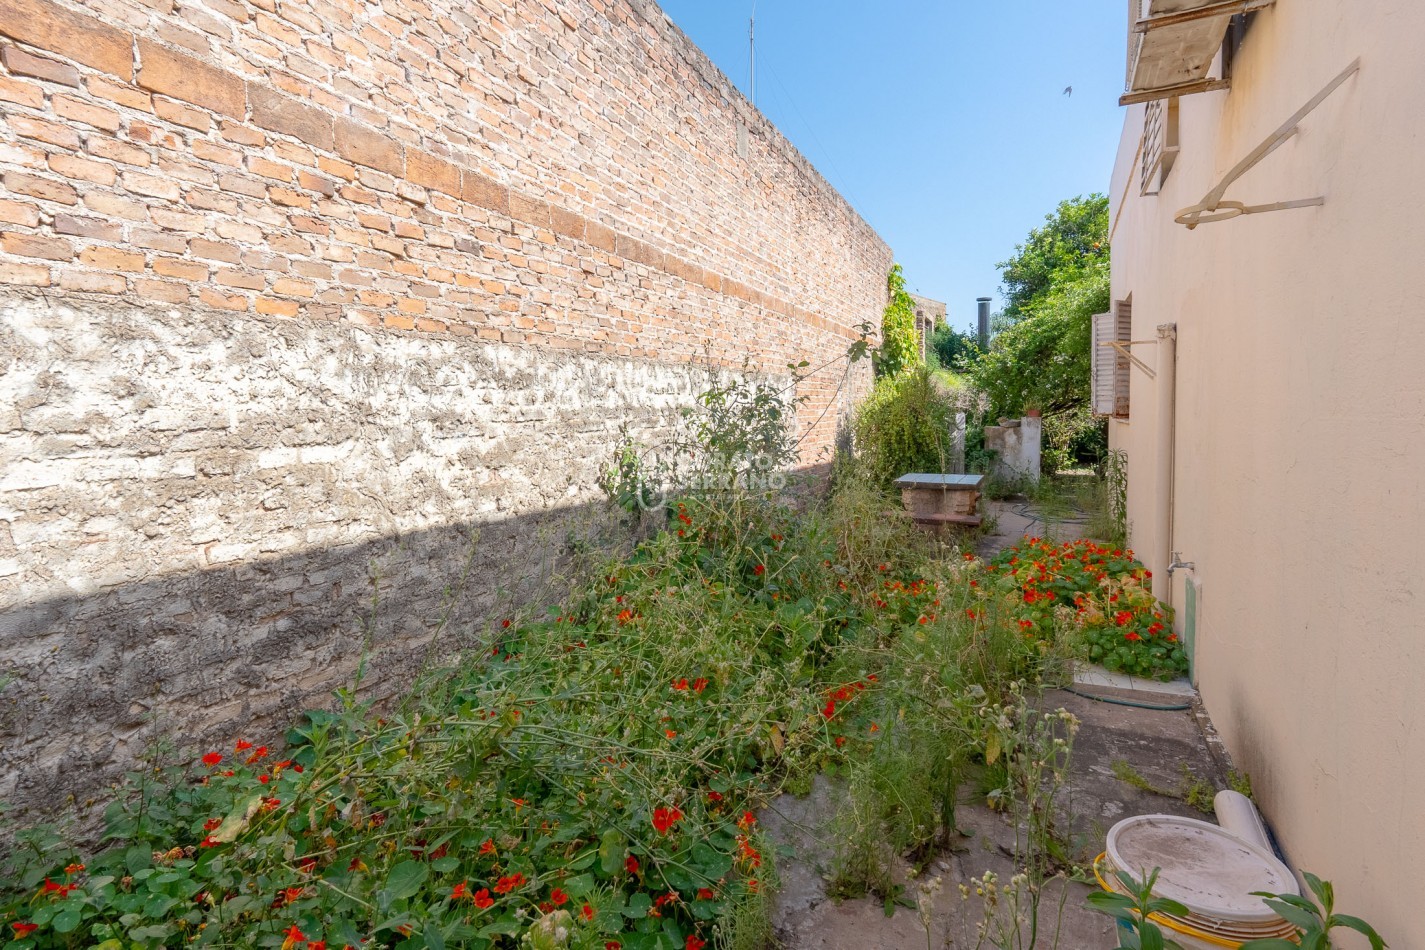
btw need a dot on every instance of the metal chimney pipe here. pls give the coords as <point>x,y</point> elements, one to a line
<point>984,303</point>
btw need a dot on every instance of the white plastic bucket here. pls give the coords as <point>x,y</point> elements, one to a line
<point>1210,871</point>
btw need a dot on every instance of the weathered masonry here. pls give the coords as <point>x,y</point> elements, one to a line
<point>317,319</point>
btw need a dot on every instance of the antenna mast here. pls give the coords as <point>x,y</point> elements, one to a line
<point>752,47</point>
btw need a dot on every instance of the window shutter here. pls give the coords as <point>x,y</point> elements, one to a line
<point>1122,375</point>
<point>1104,363</point>
<point>1110,368</point>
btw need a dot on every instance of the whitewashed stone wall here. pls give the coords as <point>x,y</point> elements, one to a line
<point>193,508</point>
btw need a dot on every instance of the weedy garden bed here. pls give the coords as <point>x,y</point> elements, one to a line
<point>592,778</point>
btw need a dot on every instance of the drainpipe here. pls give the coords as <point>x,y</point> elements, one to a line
<point>1167,386</point>
<point>984,327</point>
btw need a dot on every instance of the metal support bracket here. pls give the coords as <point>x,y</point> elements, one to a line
<point>1122,348</point>
<point>1213,208</point>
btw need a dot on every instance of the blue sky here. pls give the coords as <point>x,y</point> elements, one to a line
<point>943,121</point>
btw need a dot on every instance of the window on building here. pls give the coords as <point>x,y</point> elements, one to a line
<point>1160,144</point>
<point>1111,376</point>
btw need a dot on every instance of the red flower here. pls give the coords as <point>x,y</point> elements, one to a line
<point>25,928</point>
<point>243,745</point>
<point>558,897</point>
<point>840,741</point>
<point>612,945</point>
<point>1131,635</point>
<point>714,796</point>
<point>670,733</point>
<point>666,818</point>
<point>829,709</point>
<point>747,820</point>
<point>488,847</point>
<point>705,894</point>
<point>316,945</point>
<point>699,685</point>
<point>631,864</point>
<point>695,942</point>
<point>212,759</point>
<point>759,570</point>
<point>1122,617</point>
<point>459,891</point>
<point>587,912</point>
<point>482,898</point>
<point>73,868</point>
<point>505,624</point>
<point>680,684</point>
<point>625,615</point>
<point>506,884</point>
<point>295,935</point>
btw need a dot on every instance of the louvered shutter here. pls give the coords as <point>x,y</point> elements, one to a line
<point>1122,374</point>
<point>1104,363</point>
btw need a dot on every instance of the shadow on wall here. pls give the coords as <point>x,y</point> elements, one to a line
<point>207,657</point>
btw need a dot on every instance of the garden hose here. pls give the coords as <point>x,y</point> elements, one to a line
<point>1156,707</point>
<point>1172,923</point>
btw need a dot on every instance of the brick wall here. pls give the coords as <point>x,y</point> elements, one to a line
<point>299,293</point>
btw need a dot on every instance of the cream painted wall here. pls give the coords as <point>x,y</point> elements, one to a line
<point>1300,440</point>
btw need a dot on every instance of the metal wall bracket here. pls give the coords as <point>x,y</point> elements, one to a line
<point>1213,208</point>
<point>1122,347</point>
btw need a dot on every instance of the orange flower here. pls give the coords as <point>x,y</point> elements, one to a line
<point>488,847</point>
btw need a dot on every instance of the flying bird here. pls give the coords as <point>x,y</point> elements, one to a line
<point>1068,90</point>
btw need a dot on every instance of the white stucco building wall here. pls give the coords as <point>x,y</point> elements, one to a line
<point>1299,442</point>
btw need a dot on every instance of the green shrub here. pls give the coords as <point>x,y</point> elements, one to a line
<point>905,425</point>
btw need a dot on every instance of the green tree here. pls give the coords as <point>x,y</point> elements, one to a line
<point>1040,358</point>
<point>954,350</point>
<point>900,344</point>
<point>1072,239</point>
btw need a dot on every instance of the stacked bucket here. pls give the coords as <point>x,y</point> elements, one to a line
<point>1212,870</point>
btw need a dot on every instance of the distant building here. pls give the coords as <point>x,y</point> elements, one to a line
<point>929,314</point>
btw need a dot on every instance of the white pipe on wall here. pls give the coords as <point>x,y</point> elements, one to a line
<point>1167,386</point>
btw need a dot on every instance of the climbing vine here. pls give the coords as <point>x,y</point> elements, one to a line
<point>900,349</point>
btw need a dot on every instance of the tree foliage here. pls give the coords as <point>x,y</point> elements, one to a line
<point>1073,239</point>
<point>1042,360</point>
<point>1041,356</point>
<point>953,349</point>
<point>900,345</point>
